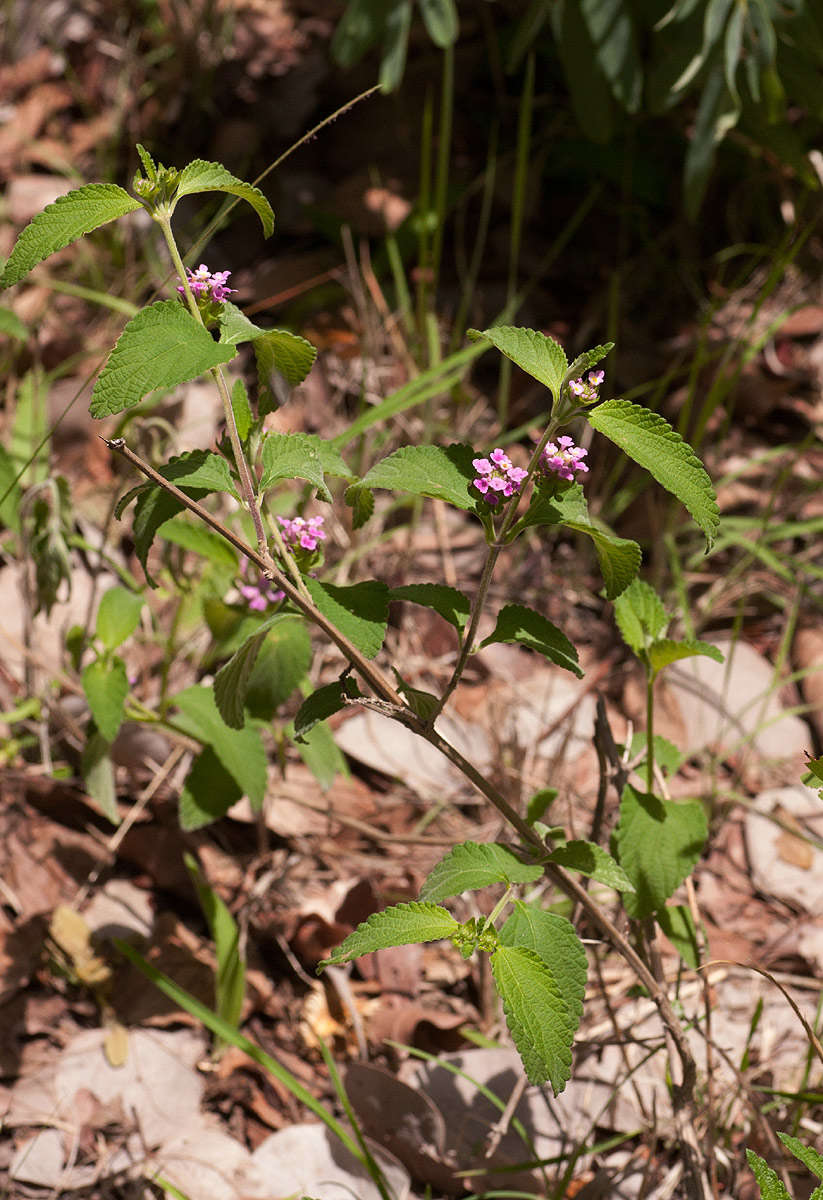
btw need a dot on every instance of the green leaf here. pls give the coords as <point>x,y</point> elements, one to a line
<point>440,19</point>
<point>288,353</point>
<point>650,441</point>
<point>283,662</point>
<point>358,29</point>
<point>771,1185</point>
<point>239,750</point>
<point>677,923</point>
<point>452,605</point>
<point>658,842</point>
<point>592,860</point>
<point>201,176</point>
<point>443,473</point>
<point>159,348</point>
<point>619,558</point>
<point>539,804</point>
<point>399,925</point>
<point>361,611</point>
<point>517,623</point>
<point>235,327</point>
<point>98,776</point>
<point>293,456</point>
<point>717,113</point>
<point>208,793</point>
<point>241,408</point>
<point>10,493</point>
<point>555,941</point>
<point>666,651</point>
<point>181,531</point>
<point>322,755</point>
<point>610,27</point>
<point>537,1015</point>
<point>395,44</point>
<point>232,680</point>
<point>666,754</point>
<point>590,92</point>
<point>301,456</point>
<point>809,1157</point>
<point>361,502</point>
<point>117,616</point>
<point>63,222</point>
<point>106,686</point>
<point>473,865</point>
<point>230,979</point>
<point>11,325</point>
<point>323,703</point>
<point>640,616</point>
<point>530,350</point>
<point>424,705</point>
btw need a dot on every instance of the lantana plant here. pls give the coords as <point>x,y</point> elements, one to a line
<point>537,960</point>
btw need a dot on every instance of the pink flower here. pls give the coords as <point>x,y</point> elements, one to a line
<point>208,285</point>
<point>563,458</point>
<point>498,475</point>
<point>586,387</point>
<point>298,531</point>
<point>260,595</point>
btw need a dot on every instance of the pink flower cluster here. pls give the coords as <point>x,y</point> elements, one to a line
<point>210,286</point>
<point>260,595</point>
<point>586,387</point>
<point>497,476</point>
<point>301,532</point>
<point>563,457</point>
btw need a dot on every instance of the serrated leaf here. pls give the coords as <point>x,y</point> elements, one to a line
<point>532,351</point>
<point>450,603</point>
<point>11,325</point>
<point>208,792</point>
<point>440,19</point>
<point>235,327</point>
<point>442,473</point>
<point>117,616</point>
<point>323,703</point>
<point>619,558</point>
<point>587,360</point>
<point>288,353</point>
<point>592,860</point>
<point>399,925</point>
<point>361,502</point>
<point>473,865</point>
<point>771,1185</point>
<point>202,176</point>
<point>665,651</point>
<point>650,440</point>
<point>640,616</point>
<point>159,348</point>
<point>200,469</point>
<point>63,222</point>
<point>361,611</point>
<point>666,754</point>
<point>98,776</point>
<point>292,456</point>
<point>517,623</point>
<point>239,750</point>
<point>106,686</point>
<point>555,941</point>
<point>537,1015</point>
<point>677,923</point>
<point>809,1157</point>
<point>658,842</point>
<point>181,531</point>
<point>424,705</point>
